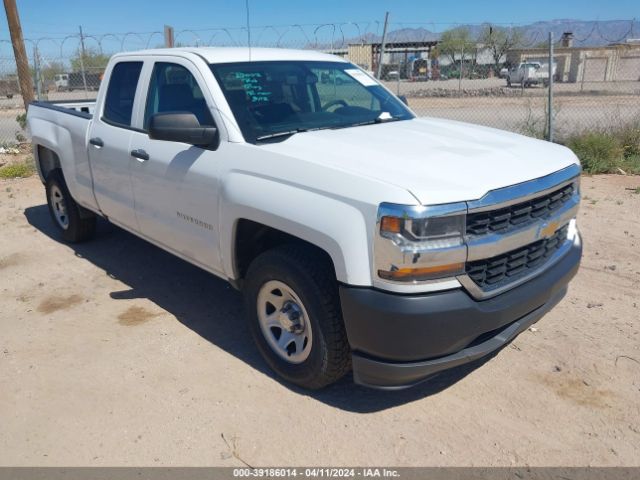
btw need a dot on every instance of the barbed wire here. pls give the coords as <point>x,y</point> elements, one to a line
<point>328,36</point>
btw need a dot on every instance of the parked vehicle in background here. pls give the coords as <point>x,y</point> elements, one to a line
<point>529,73</point>
<point>420,70</point>
<point>393,75</point>
<point>355,246</point>
<point>61,81</point>
<point>68,82</point>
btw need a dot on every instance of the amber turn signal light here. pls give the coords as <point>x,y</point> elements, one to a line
<point>391,224</point>
<point>422,273</point>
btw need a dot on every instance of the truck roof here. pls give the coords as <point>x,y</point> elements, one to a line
<point>240,54</point>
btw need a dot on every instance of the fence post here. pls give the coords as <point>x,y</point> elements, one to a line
<point>382,45</point>
<point>82,57</point>
<point>460,72</point>
<point>168,36</point>
<point>584,68</point>
<point>550,106</point>
<point>36,72</point>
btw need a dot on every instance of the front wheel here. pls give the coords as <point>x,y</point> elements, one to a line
<point>75,223</point>
<point>294,315</point>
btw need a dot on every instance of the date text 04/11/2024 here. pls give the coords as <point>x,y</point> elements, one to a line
<point>316,472</point>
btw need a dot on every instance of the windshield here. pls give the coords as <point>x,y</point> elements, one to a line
<point>274,99</point>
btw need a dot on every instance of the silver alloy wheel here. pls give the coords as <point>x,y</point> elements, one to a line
<point>284,321</point>
<point>59,206</point>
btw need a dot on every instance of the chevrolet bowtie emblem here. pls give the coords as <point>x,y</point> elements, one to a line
<point>548,229</point>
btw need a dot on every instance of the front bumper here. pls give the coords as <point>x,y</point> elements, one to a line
<point>400,340</point>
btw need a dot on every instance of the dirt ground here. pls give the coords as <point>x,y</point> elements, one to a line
<point>116,353</point>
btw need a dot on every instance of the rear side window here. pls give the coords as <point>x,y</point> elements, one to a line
<point>121,92</point>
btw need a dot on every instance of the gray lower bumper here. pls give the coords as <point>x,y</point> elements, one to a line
<point>400,340</point>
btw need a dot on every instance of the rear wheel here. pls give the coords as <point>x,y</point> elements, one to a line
<point>294,315</point>
<point>75,223</point>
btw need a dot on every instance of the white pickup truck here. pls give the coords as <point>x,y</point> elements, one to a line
<point>363,237</point>
<point>529,73</point>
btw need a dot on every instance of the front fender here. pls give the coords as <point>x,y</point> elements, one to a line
<point>335,224</point>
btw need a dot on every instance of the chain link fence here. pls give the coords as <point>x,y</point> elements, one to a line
<point>594,88</point>
<point>496,76</point>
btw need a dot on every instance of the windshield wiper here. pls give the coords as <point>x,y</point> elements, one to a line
<point>284,134</point>
<point>382,118</point>
<point>370,122</point>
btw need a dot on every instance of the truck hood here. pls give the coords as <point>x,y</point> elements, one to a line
<point>436,160</point>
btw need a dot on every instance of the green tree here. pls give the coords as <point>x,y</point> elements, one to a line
<point>92,60</point>
<point>499,41</point>
<point>51,69</point>
<point>456,42</point>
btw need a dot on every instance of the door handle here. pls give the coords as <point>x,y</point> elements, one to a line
<point>140,154</point>
<point>97,142</point>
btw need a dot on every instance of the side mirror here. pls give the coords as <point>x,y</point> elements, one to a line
<point>181,127</point>
<point>403,99</point>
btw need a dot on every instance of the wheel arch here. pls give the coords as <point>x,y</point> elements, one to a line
<point>280,211</point>
<point>252,238</point>
<point>46,160</point>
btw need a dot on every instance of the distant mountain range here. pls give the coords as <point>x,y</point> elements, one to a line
<point>586,33</point>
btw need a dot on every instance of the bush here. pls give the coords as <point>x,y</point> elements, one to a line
<point>599,152</point>
<point>18,170</point>
<point>21,119</point>
<point>629,137</point>
<point>631,164</point>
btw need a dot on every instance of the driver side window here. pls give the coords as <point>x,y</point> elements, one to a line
<point>174,89</point>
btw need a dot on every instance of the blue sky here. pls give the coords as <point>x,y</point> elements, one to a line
<point>41,18</point>
<point>53,20</point>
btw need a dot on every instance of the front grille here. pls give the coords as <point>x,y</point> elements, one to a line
<point>496,271</point>
<point>518,215</point>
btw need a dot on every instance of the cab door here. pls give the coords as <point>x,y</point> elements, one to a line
<point>109,139</point>
<point>176,184</point>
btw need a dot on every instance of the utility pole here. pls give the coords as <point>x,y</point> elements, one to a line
<point>22,62</point>
<point>382,45</point>
<point>82,57</point>
<point>168,36</point>
<point>550,108</point>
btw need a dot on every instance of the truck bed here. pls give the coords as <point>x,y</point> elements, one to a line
<point>63,127</point>
<point>85,107</point>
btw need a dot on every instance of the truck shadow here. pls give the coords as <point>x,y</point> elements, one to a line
<point>214,310</point>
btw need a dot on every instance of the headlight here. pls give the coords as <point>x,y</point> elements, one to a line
<point>415,244</point>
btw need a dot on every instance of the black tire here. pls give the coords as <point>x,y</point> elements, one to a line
<point>508,82</point>
<point>309,273</point>
<point>80,223</point>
